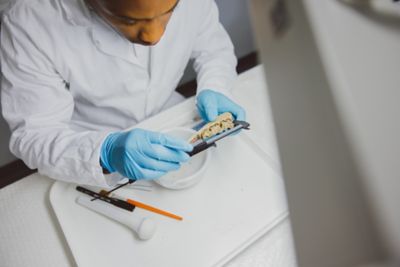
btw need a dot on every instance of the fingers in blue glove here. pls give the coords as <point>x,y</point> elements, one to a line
<point>169,141</point>
<point>211,104</point>
<point>208,107</point>
<point>236,110</point>
<point>133,171</point>
<point>141,154</point>
<point>162,153</point>
<point>159,165</point>
<point>157,161</point>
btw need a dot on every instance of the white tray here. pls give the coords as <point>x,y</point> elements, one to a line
<point>240,198</point>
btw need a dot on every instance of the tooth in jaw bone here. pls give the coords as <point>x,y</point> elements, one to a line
<point>222,123</point>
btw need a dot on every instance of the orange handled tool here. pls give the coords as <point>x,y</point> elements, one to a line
<point>153,209</point>
<point>148,207</point>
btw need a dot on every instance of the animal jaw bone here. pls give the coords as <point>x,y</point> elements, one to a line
<point>222,123</point>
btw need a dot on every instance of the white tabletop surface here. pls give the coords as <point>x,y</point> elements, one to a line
<point>31,236</point>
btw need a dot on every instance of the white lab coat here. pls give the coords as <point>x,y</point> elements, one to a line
<point>68,79</point>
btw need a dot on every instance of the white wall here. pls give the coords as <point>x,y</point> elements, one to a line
<point>360,49</point>
<point>233,15</point>
<point>330,214</point>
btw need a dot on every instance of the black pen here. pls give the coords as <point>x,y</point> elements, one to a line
<point>113,201</point>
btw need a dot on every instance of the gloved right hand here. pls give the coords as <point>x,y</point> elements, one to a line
<point>141,154</point>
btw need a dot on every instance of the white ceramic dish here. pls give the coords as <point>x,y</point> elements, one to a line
<point>190,172</point>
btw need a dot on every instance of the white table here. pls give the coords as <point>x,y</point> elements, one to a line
<point>31,236</point>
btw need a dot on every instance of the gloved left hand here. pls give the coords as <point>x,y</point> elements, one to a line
<point>141,154</point>
<point>211,104</point>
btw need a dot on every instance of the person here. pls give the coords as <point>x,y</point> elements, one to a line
<point>76,73</point>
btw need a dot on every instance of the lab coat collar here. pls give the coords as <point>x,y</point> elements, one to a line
<point>110,42</point>
<point>103,36</point>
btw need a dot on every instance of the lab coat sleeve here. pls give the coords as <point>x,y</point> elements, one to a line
<point>38,108</point>
<point>213,52</point>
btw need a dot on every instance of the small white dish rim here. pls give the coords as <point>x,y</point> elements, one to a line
<point>193,178</point>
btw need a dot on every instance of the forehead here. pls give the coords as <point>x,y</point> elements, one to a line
<point>138,8</point>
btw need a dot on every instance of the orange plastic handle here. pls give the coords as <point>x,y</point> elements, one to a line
<point>153,209</point>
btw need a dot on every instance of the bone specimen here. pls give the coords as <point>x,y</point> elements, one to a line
<point>222,123</point>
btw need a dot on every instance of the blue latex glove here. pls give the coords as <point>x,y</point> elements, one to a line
<point>140,154</point>
<point>211,104</point>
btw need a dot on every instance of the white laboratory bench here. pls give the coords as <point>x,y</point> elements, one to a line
<point>31,236</point>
